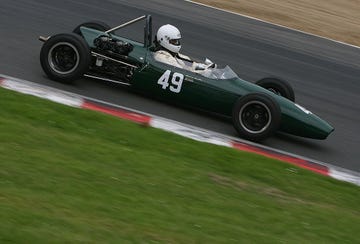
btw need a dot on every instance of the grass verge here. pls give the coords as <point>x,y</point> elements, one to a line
<point>69,175</point>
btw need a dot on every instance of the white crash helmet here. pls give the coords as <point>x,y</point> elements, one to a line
<point>168,36</point>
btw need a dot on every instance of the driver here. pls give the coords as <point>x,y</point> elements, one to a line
<point>168,41</point>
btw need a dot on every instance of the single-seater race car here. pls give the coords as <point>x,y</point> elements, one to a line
<point>257,110</point>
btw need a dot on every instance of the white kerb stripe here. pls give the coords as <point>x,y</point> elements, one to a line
<point>186,131</point>
<point>344,176</point>
<point>43,92</point>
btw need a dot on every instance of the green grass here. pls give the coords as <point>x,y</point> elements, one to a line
<point>69,175</point>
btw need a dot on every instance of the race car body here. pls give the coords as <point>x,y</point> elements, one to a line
<point>256,110</point>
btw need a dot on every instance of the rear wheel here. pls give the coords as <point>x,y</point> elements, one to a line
<point>65,57</point>
<point>277,86</point>
<point>256,116</point>
<point>97,25</point>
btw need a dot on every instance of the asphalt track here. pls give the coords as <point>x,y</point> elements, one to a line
<point>324,74</point>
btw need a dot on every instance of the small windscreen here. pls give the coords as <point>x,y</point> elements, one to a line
<point>220,74</point>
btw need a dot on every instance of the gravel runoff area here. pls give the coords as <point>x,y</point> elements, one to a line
<point>333,19</point>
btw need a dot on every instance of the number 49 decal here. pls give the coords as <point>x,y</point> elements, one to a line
<point>175,83</point>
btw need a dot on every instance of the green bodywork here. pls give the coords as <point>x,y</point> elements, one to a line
<point>216,96</point>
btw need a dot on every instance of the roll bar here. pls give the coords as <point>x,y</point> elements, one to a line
<point>147,28</point>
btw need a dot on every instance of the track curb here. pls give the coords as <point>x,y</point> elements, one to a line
<point>195,133</point>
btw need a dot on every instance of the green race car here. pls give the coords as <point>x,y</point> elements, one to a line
<point>257,110</point>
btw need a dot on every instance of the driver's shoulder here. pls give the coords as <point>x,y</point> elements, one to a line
<point>163,52</point>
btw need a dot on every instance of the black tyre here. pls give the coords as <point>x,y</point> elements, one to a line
<point>65,57</point>
<point>256,116</point>
<point>97,25</point>
<point>277,86</point>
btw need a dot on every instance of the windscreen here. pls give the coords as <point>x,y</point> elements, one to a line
<point>219,74</point>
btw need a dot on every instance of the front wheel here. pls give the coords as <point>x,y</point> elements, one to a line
<point>65,57</point>
<point>277,86</point>
<point>256,116</point>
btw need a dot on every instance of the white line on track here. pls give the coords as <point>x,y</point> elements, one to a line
<point>267,22</point>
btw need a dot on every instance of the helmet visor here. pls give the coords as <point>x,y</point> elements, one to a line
<point>175,42</point>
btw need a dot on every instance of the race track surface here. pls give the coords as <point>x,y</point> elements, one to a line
<point>325,75</point>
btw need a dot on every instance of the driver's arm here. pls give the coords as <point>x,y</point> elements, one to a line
<point>198,67</point>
